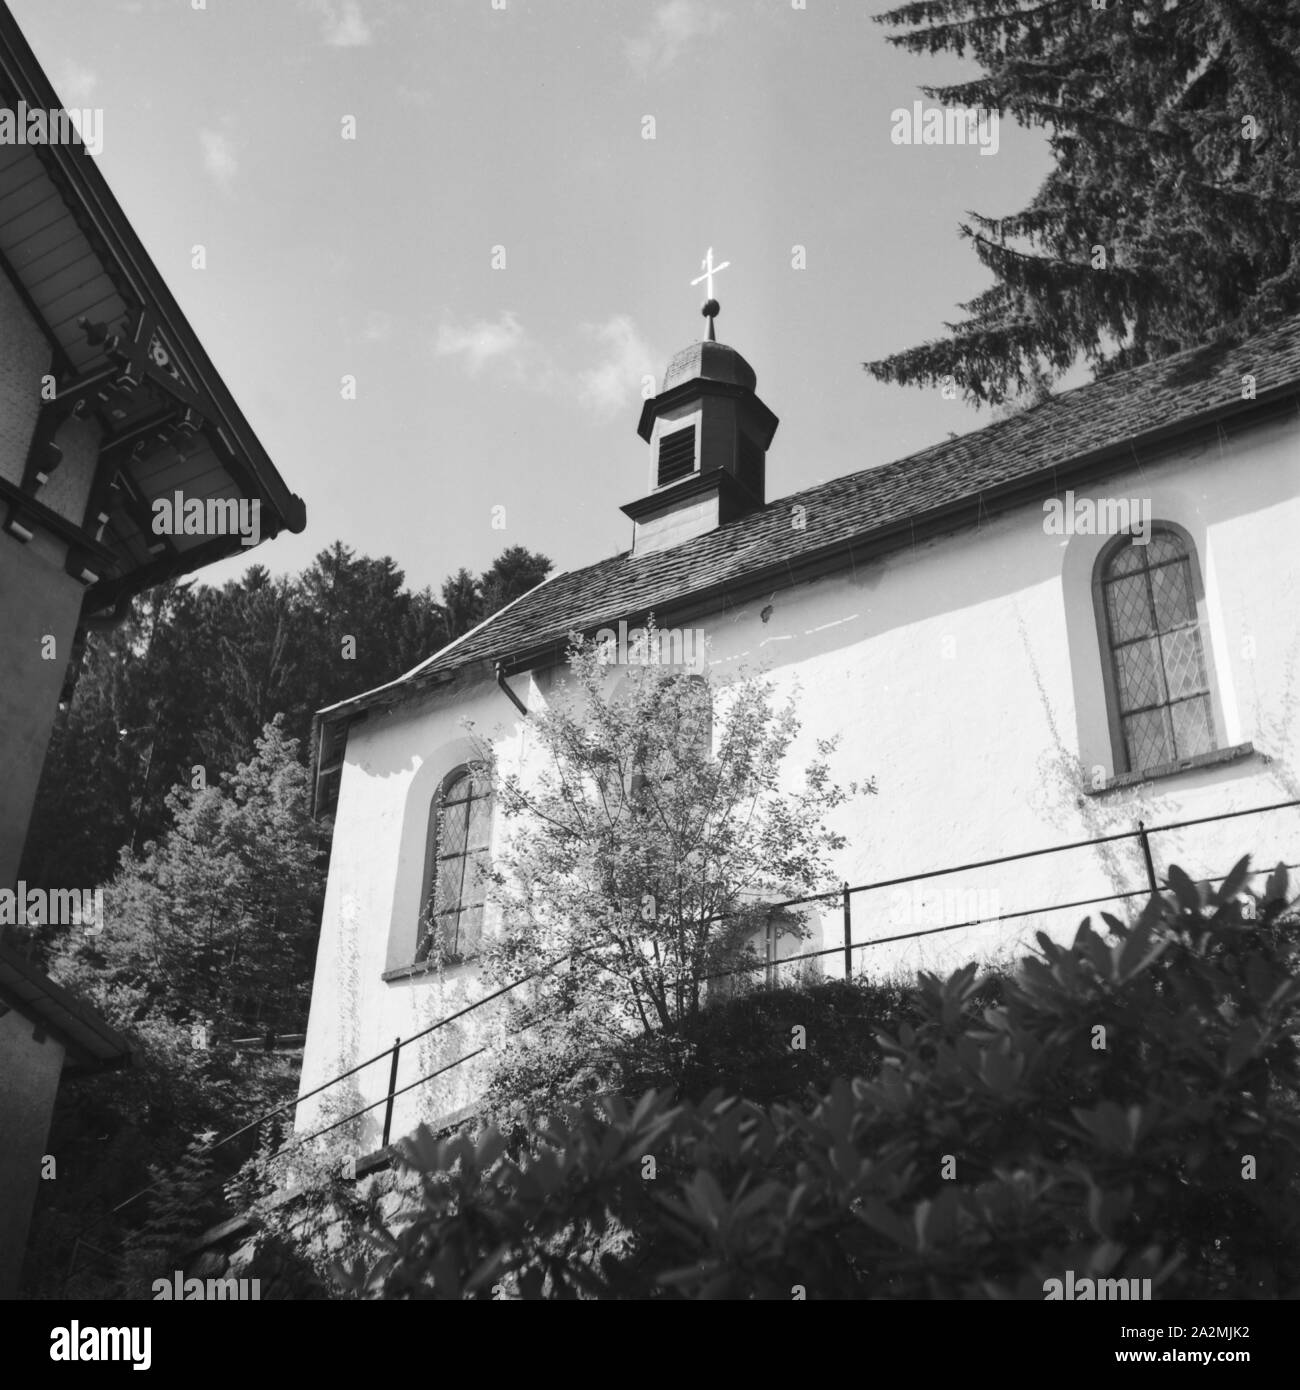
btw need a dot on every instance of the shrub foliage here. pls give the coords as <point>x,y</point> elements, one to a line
<point>1126,1110</point>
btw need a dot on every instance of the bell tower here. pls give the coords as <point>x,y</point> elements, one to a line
<point>709,434</point>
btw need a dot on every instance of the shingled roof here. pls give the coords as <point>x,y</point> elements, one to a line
<point>1100,425</point>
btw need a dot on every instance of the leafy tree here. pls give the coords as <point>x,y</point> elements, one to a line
<point>641,854</point>
<point>217,920</point>
<point>1172,215</point>
<point>208,935</point>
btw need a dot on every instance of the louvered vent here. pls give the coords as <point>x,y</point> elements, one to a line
<point>676,455</point>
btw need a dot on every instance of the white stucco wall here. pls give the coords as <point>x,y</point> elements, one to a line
<point>395,763</point>
<point>965,676</point>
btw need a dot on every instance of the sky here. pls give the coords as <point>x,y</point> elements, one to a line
<point>500,257</point>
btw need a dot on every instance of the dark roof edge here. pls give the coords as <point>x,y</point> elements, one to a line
<point>116,1050</point>
<point>108,593</point>
<point>1000,498</point>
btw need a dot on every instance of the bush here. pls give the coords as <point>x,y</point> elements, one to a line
<point>747,1046</point>
<point>1128,1110</point>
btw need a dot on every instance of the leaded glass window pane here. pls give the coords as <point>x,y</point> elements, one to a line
<point>1193,726</point>
<point>1139,677</point>
<point>1147,739</point>
<point>1128,603</point>
<point>1184,667</point>
<point>451,836</point>
<point>1126,560</point>
<point>1163,546</point>
<point>480,823</point>
<point>1171,589</point>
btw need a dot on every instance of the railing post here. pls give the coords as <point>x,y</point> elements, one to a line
<point>392,1086</point>
<point>848,934</point>
<point>1146,854</point>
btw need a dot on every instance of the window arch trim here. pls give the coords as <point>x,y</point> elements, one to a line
<point>464,939</point>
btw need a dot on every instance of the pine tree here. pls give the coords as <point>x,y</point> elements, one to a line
<point>1172,216</point>
<point>511,574</point>
<point>462,602</point>
<point>358,626</point>
<point>184,1198</point>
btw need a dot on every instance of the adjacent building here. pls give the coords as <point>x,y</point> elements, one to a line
<point>108,403</point>
<point>46,1033</point>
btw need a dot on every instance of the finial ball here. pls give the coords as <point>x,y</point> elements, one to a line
<point>711,308</point>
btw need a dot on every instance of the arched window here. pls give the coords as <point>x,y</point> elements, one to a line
<point>460,834</point>
<point>1161,706</point>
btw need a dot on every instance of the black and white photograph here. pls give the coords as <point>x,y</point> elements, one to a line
<point>649,652</point>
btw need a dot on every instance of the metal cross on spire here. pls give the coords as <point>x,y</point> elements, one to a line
<point>711,307</point>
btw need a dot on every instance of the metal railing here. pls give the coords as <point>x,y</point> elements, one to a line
<point>844,895</point>
<point>1141,834</point>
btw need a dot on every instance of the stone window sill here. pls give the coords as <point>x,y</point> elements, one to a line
<point>419,968</point>
<point>1218,758</point>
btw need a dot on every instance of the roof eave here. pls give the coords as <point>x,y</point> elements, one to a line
<point>96,200</point>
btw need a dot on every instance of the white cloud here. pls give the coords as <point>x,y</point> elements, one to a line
<point>604,386</point>
<point>219,157</point>
<point>671,28</point>
<point>75,82</point>
<point>615,381</point>
<point>342,23</point>
<point>502,343</point>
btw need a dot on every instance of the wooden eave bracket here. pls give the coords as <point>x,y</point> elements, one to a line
<point>43,454</point>
<point>133,354</point>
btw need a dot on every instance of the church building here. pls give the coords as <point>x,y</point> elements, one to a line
<point>1041,635</point>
